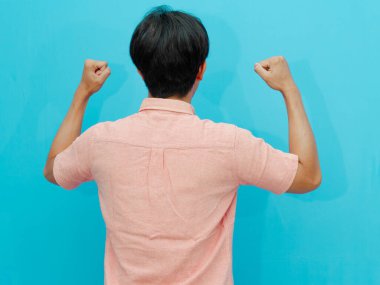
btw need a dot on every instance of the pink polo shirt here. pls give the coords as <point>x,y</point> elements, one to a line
<point>167,183</point>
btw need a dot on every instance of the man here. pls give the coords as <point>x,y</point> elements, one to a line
<point>168,180</point>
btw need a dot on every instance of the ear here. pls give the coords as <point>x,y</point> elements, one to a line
<point>142,76</point>
<point>201,71</point>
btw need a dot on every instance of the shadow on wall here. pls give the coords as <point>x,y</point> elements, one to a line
<point>334,178</point>
<point>75,47</point>
<point>109,91</point>
<point>219,98</point>
<point>214,99</point>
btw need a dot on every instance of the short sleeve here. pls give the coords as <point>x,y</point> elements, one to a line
<point>258,163</point>
<point>72,166</point>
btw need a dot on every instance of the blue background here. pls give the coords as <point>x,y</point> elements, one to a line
<point>330,236</point>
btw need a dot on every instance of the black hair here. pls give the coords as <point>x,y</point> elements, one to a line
<point>168,47</point>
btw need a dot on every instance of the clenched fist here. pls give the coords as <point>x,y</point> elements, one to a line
<point>95,73</point>
<point>275,72</point>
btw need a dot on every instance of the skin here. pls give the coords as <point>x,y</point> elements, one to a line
<point>274,71</point>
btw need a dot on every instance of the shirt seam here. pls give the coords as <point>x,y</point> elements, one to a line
<point>167,110</point>
<point>90,154</point>
<point>88,157</point>
<point>159,145</point>
<point>59,178</point>
<point>260,176</point>
<point>289,174</point>
<point>77,161</point>
<point>234,166</point>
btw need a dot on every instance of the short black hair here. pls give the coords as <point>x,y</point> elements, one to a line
<point>168,47</point>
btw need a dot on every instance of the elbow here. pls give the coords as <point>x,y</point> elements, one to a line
<point>314,182</point>
<point>317,182</point>
<point>45,172</point>
<point>48,170</point>
<point>48,174</point>
<point>306,184</point>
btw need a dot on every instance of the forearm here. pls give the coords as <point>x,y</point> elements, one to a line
<point>69,130</point>
<point>301,137</point>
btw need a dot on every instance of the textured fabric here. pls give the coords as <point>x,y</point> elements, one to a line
<point>167,183</point>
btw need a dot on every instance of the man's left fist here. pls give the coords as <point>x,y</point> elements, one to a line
<point>95,73</point>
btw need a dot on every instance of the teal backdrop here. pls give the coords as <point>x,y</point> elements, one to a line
<point>331,236</point>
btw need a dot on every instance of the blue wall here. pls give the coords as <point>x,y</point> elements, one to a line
<point>330,236</point>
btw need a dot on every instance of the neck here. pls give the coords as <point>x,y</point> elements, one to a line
<point>186,98</point>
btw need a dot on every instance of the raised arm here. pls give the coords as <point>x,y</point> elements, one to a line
<point>94,75</point>
<point>275,72</point>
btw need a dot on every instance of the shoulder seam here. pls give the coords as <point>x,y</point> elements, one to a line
<point>234,168</point>
<point>121,141</point>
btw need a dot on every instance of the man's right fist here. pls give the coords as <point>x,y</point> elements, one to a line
<point>95,73</point>
<point>275,72</point>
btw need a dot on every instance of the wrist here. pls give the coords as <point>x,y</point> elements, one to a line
<point>81,97</point>
<point>79,104</point>
<point>83,93</point>
<point>290,91</point>
<point>84,89</point>
<point>292,98</point>
<point>289,88</point>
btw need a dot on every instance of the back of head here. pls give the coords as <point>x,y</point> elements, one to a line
<point>168,47</point>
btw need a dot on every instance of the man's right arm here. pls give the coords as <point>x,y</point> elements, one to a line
<point>275,72</point>
<point>302,143</point>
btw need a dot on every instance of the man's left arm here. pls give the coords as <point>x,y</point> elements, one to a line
<point>94,75</point>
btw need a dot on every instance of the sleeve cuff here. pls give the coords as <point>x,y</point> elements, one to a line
<point>57,173</point>
<point>290,174</point>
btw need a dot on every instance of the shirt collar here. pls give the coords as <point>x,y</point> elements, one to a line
<point>174,105</point>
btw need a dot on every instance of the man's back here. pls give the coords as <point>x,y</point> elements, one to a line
<point>167,185</point>
<point>172,193</point>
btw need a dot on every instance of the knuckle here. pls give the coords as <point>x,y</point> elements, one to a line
<point>87,62</point>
